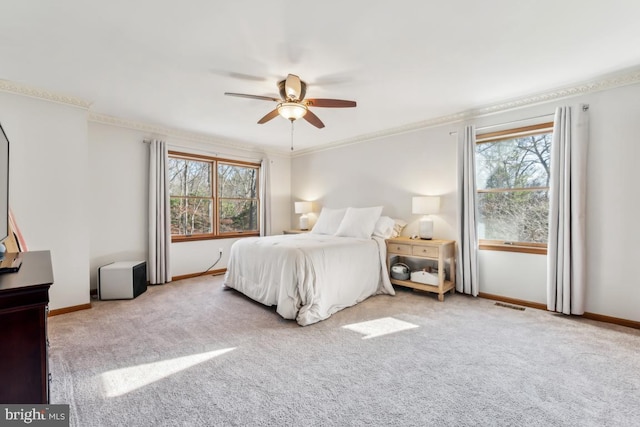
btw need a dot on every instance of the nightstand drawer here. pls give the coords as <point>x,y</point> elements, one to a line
<point>425,251</point>
<point>400,249</point>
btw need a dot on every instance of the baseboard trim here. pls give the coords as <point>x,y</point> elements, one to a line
<point>513,301</point>
<point>615,320</point>
<point>94,292</point>
<point>591,316</point>
<point>192,275</point>
<point>69,309</point>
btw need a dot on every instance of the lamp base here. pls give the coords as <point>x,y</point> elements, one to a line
<point>304,222</point>
<point>426,228</point>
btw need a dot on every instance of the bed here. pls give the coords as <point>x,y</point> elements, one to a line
<point>308,277</point>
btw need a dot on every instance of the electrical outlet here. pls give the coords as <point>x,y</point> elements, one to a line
<point>220,251</point>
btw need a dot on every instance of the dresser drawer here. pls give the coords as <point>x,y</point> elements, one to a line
<point>398,248</point>
<point>425,251</point>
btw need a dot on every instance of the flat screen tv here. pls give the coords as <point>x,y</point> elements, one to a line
<point>9,262</point>
<point>4,185</point>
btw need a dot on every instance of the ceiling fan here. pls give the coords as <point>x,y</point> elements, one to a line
<point>292,104</point>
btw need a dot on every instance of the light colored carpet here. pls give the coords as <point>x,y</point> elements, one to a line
<point>193,354</point>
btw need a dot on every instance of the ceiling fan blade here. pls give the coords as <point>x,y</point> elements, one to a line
<point>244,95</point>
<point>236,75</point>
<point>313,119</point>
<point>293,87</point>
<point>332,103</point>
<point>270,115</point>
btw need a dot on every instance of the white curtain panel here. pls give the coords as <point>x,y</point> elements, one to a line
<point>566,255</point>
<point>467,267</point>
<point>159,214</point>
<point>265,197</point>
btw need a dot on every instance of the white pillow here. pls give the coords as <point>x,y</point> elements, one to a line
<point>398,226</point>
<point>359,222</point>
<point>328,221</point>
<point>384,227</point>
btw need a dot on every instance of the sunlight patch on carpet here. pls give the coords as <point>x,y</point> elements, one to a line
<point>379,327</point>
<point>125,380</point>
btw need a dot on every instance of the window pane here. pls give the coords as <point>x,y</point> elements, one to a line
<point>189,178</point>
<point>515,163</point>
<point>191,216</point>
<point>514,216</point>
<point>237,181</point>
<point>238,215</point>
<point>195,201</point>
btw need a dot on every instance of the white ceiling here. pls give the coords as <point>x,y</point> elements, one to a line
<point>168,63</point>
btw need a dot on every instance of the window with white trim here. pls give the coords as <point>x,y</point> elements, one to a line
<point>512,176</point>
<point>212,197</point>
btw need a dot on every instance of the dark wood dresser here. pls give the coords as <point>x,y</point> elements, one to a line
<point>24,299</point>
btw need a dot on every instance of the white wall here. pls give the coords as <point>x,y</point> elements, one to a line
<point>49,188</point>
<point>514,275</point>
<point>387,172</point>
<point>613,202</point>
<point>390,170</point>
<point>119,202</point>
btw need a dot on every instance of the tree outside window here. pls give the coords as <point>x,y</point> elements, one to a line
<point>212,198</point>
<point>238,198</point>
<point>512,175</point>
<point>190,197</point>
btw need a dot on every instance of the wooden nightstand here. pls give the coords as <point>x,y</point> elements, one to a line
<point>418,253</point>
<point>295,231</point>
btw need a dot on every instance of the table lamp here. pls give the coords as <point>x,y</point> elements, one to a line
<point>303,208</point>
<point>425,205</point>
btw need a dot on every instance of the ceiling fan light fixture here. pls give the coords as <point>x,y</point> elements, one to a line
<point>292,104</point>
<point>292,110</point>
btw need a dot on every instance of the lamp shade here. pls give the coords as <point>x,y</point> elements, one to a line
<point>303,207</point>
<point>425,205</point>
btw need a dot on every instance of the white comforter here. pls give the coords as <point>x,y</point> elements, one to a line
<point>308,277</point>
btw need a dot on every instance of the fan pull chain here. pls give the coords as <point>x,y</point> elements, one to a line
<point>291,135</point>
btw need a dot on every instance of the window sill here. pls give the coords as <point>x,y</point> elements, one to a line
<point>533,248</point>
<point>197,237</point>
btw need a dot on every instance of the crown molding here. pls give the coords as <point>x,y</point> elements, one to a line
<point>610,81</point>
<point>176,133</point>
<point>21,89</point>
<point>411,127</point>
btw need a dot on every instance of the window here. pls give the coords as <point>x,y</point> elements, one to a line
<point>212,198</point>
<point>512,175</point>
